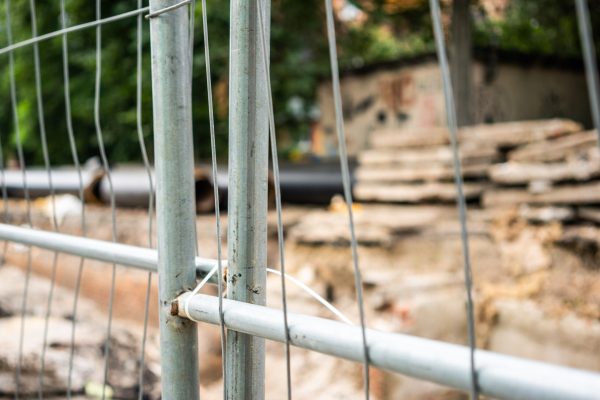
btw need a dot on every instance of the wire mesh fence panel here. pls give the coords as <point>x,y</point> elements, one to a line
<point>61,301</point>
<point>81,308</point>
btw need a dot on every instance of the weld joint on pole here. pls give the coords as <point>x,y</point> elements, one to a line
<point>157,13</point>
<point>175,307</point>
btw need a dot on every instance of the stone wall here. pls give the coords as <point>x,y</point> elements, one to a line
<point>410,96</point>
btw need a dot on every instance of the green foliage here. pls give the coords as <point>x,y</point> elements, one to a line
<point>387,34</point>
<point>298,56</point>
<point>366,45</point>
<point>117,101</point>
<point>542,27</point>
<point>299,60</point>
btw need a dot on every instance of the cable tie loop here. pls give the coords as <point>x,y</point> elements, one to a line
<point>186,303</point>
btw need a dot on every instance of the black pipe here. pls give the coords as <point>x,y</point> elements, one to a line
<point>309,183</point>
<point>131,186</point>
<point>64,181</point>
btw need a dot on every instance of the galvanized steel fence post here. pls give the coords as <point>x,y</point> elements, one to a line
<point>248,186</point>
<point>175,210</point>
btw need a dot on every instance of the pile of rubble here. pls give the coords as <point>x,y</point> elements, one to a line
<point>549,163</point>
<point>534,241</point>
<point>87,375</point>
<point>534,212</point>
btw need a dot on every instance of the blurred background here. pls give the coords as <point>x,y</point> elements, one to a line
<point>524,59</point>
<point>530,161</point>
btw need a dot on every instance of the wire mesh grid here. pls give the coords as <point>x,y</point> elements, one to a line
<point>64,209</point>
<point>242,316</point>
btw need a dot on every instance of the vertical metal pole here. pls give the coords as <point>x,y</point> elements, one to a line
<point>589,58</point>
<point>174,160</point>
<point>248,177</point>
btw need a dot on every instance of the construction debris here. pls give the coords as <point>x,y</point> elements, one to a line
<point>512,134</point>
<point>549,163</point>
<point>563,148</point>
<point>425,173</point>
<point>515,173</point>
<point>588,193</point>
<point>414,193</point>
<point>88,358</point>
<point>503,135</point>
<point>533,224</point>
<point>427,155</point>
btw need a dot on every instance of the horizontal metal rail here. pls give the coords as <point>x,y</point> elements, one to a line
<point>132,256</point>
<point>499,376</point>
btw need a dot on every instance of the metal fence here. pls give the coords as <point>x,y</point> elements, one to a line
<point>243,317</point>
